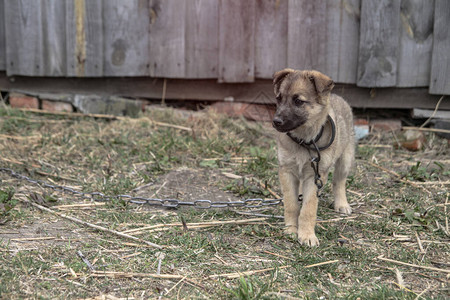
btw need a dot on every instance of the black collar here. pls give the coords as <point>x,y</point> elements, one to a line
<point>312,142</point>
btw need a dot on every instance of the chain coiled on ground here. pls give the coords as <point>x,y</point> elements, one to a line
<point>167,203</point>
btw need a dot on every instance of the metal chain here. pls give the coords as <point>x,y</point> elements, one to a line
<point>169,203</point>
<point>315,166</point>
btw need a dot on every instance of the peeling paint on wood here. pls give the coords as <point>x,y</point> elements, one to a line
<point>80,51</point>
<point>88,60</point>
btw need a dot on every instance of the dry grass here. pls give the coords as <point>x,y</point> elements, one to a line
<point>396,245</point>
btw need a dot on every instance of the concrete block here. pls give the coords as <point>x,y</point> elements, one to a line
<point>443,124</point>
<point>117,106</point>
<point>361,127</point>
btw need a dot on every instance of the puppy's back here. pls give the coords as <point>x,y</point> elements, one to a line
<point>343,116</point>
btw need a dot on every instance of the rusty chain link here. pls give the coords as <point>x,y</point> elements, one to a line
<point>168,203</point>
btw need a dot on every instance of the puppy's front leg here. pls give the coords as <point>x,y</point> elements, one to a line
<point>289,187</point>
<point>308,214</point>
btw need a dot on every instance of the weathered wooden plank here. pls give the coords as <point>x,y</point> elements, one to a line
<point>236,41</point>
<point>126,25</point>
<point>270,37</point>
<point>379,39</point>
<point>343,39</point>
<point>211,90</point>
<point>167,38</point>
<point>53,37</point>
<point>440,61</point>
<point>84,38</point>
<point>333,37</point>
<point>2,36</point>
<point>202,39</point>
<point>307,35</point>
<point>416,41</point>
<point>23,30</point>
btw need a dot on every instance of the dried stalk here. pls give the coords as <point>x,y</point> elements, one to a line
<point>413,265</point>
<point>245,273</point>
<point>100,228</point>
<point>426,129</point>
<point>131,274</point>
<point>322,263</point>
<point>191,225</point>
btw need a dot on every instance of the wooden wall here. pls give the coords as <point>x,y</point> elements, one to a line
<point>370,43</point>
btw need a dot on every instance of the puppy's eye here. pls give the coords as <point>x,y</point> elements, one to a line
<point>297,100</point>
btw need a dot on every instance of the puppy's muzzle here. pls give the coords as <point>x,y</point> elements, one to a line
<point>277,122</point>
<point>282,125</point>
<point>286,124</point>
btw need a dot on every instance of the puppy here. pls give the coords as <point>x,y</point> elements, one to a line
<point>315,132</point>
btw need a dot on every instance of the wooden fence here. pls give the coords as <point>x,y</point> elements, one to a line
<point>370,43</point>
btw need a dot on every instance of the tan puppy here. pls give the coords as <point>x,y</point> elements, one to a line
<point>304,108</point>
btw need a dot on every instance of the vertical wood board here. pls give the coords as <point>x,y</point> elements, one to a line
<point>53,37</point>
<point>348,46</point>
<point>125,37</point>
<point>2,36</point>
<point>416,41</point>
<point>84,38</point>
<point>307,35</point>
<point>167,38</point>
<point>333,38</point>
<point>440,61</point>
<point>23,31</point>
<point>379,43</point>
<point>236,41</point>
<point>270,37</point>
<point>202,38</point>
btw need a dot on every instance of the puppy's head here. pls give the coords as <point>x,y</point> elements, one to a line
<point>302,96</point>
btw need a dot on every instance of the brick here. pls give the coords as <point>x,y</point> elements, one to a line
<point>361,122</point>
<point>254,112</point>
<point>56,106</point>
<point>412,140</point>
<point>386,125</point>
<point>23,101</point>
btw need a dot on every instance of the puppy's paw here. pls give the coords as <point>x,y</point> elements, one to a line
<point>289,230</point>
<point>308,239</point>
<point>343,209</point>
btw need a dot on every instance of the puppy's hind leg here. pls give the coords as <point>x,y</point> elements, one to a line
<point>341,171</point>
<point>289,186</point>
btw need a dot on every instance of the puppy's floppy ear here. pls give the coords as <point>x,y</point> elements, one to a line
<point>322,83</point>
<point>278,78</point>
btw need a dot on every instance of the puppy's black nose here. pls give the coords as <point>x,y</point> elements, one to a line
<point>277,122</point>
